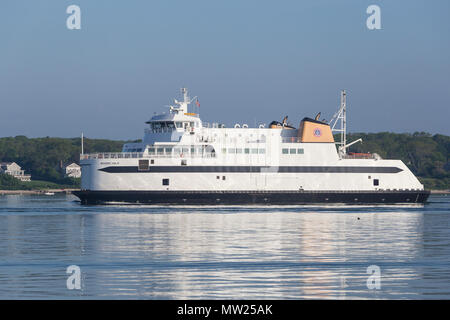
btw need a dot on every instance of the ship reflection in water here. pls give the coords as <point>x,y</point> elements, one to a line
<point>222,252</point>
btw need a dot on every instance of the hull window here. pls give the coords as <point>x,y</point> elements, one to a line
<point>376,182</point>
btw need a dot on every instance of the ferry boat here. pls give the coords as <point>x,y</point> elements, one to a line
<point>184,161</point>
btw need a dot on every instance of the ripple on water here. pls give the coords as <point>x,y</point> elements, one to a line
<point>215,252</point>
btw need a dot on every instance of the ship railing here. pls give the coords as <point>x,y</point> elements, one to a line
<point>180,155</point>
<point>361,156</point>
<point>111,155</point>
<point>140,155</point>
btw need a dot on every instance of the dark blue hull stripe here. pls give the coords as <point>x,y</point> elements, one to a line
<point>252,169</point>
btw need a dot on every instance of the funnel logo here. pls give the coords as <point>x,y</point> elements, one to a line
<point>317,132</point>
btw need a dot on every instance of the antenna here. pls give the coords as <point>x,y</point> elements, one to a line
<point>182,105</point>
<point>341,117</point>
<point>185,94</point>
<point>344,121</point>
<point>82,143</point>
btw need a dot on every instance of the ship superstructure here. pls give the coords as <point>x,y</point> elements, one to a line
<point>182,160</point>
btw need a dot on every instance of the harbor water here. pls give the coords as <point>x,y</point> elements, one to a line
<point>244,252</point>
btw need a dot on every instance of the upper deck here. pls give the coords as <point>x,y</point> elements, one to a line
<point>180,133</point>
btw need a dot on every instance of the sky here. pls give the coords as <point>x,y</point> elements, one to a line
<point>248,61</point>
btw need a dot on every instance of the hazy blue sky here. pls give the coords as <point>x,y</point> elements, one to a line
<point>248,61</point>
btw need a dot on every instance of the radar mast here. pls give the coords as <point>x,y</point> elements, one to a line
<point>341,117</point>
<point>182,106</point>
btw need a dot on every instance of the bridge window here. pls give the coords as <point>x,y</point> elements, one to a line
<point>163,126</point>
<point>285,151</point>
<point>165,182</point>
<point>292,151</point>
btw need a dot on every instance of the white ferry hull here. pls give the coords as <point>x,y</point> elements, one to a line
<point>340,181</point>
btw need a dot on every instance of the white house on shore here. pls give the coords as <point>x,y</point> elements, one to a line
<point>73,170</point>
<point>13,169</point>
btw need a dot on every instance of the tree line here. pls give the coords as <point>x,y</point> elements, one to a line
<point>426,155</point>
<point>45,158</point>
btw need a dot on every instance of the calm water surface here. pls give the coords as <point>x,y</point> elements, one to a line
<point>145,252</point>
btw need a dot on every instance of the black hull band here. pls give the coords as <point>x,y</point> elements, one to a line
<point>253,197</point>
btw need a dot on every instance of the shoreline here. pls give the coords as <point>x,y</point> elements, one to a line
<point>24,192</point>
<point>69,191</point>
<point>440,191</point>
